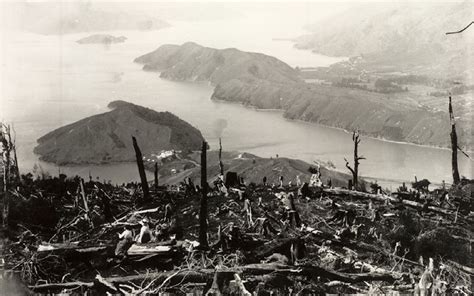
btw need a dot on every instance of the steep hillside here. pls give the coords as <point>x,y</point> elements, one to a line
<point>106,137</point>
<point>375,114</point>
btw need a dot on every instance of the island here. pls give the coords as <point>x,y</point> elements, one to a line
<point>101,39</point>
<point>107,137</point>
<point>193,62</point>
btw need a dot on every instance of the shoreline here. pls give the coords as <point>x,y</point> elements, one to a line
<point>255,108</point>
<point>369,179</point>
<point>334,127</point>
<point>118,163</point>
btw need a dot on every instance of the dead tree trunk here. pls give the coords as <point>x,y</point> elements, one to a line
<point>6,148</point>
<point>221,165</point>
<point>141,169</point>
<point>355,169</point>
<point>156,176</point>
<point>7,158</point>
<point>203,211</point>
<point>454,145</point>
<point>15,174</point>
<point>295,219</point>
<point>17,168</point>
<point>86,204</point>
<point>10,171</point>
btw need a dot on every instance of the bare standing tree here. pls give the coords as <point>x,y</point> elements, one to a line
<point>8,168</point>
<point>454,137</point>
<point>203,244</point>
<point>156,176</point>
<point>454,145</point>
<point>355,169</point>
<point>141,169</point>
<point>221,165</point>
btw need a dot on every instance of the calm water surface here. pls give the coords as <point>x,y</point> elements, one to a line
<point>50,81</point>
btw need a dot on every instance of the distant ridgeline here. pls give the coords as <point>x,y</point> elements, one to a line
<point>68,17</point>
<point>106,137</point>
<point>265,82</point>
<point>390,37</point>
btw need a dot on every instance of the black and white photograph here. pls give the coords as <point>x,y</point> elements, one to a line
<point>242,148</point>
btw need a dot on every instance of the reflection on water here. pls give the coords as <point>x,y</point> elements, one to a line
<point>50,81</point>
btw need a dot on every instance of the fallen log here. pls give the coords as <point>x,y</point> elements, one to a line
<point>310,271</point>
<point>70,248</point>
<point>404,288</point>
<point>157,277</point>
<point>358,245</point>
<point>191,276</point>
<point>205,275</point>
<point>274,246</point>
<point>60,286</point>
<point>265,268</point>
<point>316,271</point>
<point>129,215</point>
<point>339,283</point>
<point>464,268</point>
<point>378,197</point>
<point>138,249</point>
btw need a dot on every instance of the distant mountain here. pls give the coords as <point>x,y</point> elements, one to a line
<point>265,82</point>
<point>74,17</point>
<point>106,137</point>
<point>251,167</point>
<point>101,39</point>
<point>399,37</point>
